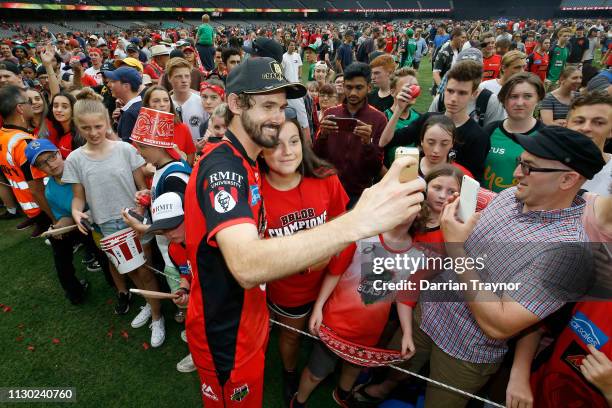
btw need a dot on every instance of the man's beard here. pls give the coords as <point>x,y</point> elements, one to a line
<point>255,131</point>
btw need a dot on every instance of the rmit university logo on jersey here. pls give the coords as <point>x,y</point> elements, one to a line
<point>587,330</point>
<point>223,190</point>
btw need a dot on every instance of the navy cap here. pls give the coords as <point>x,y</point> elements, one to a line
<point>37,147</point>
<point>261,75</point>
<point>124,74</point>
<point>10,66</point>
<point>567,146</point>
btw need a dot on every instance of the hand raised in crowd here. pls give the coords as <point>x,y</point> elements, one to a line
<point>328,125</point>
<point>404,98</point>
<point>597,369</point>
<point>455,230</point>
<point>363,131</point>
<point>47,55</point>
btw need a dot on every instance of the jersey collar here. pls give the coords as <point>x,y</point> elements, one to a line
<point>234,141</point>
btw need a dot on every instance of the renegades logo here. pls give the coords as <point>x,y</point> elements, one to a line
<point>208,392</point>
<point>240,393</point>
<point>224,201</point>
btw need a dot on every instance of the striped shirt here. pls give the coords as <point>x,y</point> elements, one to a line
<point>540,249</point>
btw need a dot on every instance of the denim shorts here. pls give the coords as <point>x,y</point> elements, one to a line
<point>110,227</point>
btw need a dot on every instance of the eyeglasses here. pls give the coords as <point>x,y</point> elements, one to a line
<point>28,102</point>
<point>51,158</point>
<point>526,168</point>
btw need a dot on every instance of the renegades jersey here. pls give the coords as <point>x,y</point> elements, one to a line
<point>538,64</point>
<point>313,202</point>
<point>559,382</point>
<point>491,67</point>
<point>226,324</point>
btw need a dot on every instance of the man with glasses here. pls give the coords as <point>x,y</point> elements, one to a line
<point>27,184</point>
<point>45,156</point>
<point>530,235</point>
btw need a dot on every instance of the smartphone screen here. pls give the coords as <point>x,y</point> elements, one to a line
<point>345,124</point>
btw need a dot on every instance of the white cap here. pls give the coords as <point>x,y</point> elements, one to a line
<point>167,212</point>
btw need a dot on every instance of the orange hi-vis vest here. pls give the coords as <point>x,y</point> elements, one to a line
<point>12,157</point>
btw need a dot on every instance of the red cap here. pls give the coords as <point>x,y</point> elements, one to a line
<point>74,43</point>
<point>95,50</point>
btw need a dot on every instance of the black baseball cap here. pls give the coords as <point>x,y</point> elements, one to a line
<point>10,66</point>
<point>265,47</point>
<point>261,75</point>
<point>567,146</point>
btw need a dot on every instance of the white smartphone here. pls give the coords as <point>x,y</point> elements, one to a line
<point>468,198</point>
<point>411,172</point>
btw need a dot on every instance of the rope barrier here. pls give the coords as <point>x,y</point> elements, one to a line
<point>403,370</point>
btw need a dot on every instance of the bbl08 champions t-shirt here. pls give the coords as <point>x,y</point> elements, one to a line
<point>313,202</point>
<point>500,162</point>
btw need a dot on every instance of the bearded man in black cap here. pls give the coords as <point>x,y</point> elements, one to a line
<point>531,242</point>
<point>227,319</point>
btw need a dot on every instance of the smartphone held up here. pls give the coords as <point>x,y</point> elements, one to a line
<point>411,172</point>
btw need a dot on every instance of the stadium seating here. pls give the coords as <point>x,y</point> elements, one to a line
<point>585,3</point>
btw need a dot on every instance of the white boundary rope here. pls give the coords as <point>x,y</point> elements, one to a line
<point>438,383</point>
<point>403,370</point>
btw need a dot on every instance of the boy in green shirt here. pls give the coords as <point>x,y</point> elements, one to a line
<point>558,56</point>
<point>205,43</point>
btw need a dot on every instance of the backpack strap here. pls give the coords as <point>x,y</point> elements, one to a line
<point>481,105</point>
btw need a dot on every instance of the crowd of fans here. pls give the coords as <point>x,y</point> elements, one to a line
<point>310,119</point>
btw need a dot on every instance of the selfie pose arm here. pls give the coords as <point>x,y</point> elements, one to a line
<point>381,207</point>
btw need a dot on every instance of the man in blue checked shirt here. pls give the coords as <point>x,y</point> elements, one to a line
<point>531,236</point>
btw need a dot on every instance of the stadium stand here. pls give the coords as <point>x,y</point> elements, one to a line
<point>585,3</point>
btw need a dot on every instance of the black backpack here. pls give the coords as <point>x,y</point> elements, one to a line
<point>481,106</point>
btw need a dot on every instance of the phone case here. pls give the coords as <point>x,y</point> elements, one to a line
<point>468,198</point>
<point>412,172</point>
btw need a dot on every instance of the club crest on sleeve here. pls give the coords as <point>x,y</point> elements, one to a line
<point>223,200</point>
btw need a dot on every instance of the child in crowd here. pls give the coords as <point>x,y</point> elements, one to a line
<point>106,174</point>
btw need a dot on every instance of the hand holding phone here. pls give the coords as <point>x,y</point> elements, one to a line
<point>411,172</point>
<point>345,124</point>
<point>86,224</point>
<point>468,198</point>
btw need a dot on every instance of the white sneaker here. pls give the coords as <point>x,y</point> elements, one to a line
<point>143,317</point>
<point>158,332</point>
<point>186,365</point>
<point>184,336</point>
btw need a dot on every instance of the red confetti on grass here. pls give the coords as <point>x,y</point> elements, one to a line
<point>125,334</point>
<point>109,334</point>
<point>109,301</point>
<point>19,339</point>
<point>31,347</point>
<point>145,345</point>
<point>56,341</point>
<point>7,309</point>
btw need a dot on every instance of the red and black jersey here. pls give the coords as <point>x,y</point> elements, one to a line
<point>538,64</point>
<point>559,382</point>
<point>226,324</point>
<point>313,202</point>
<point>491,67</point>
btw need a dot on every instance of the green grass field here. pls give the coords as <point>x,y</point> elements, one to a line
<point>47,342</point>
